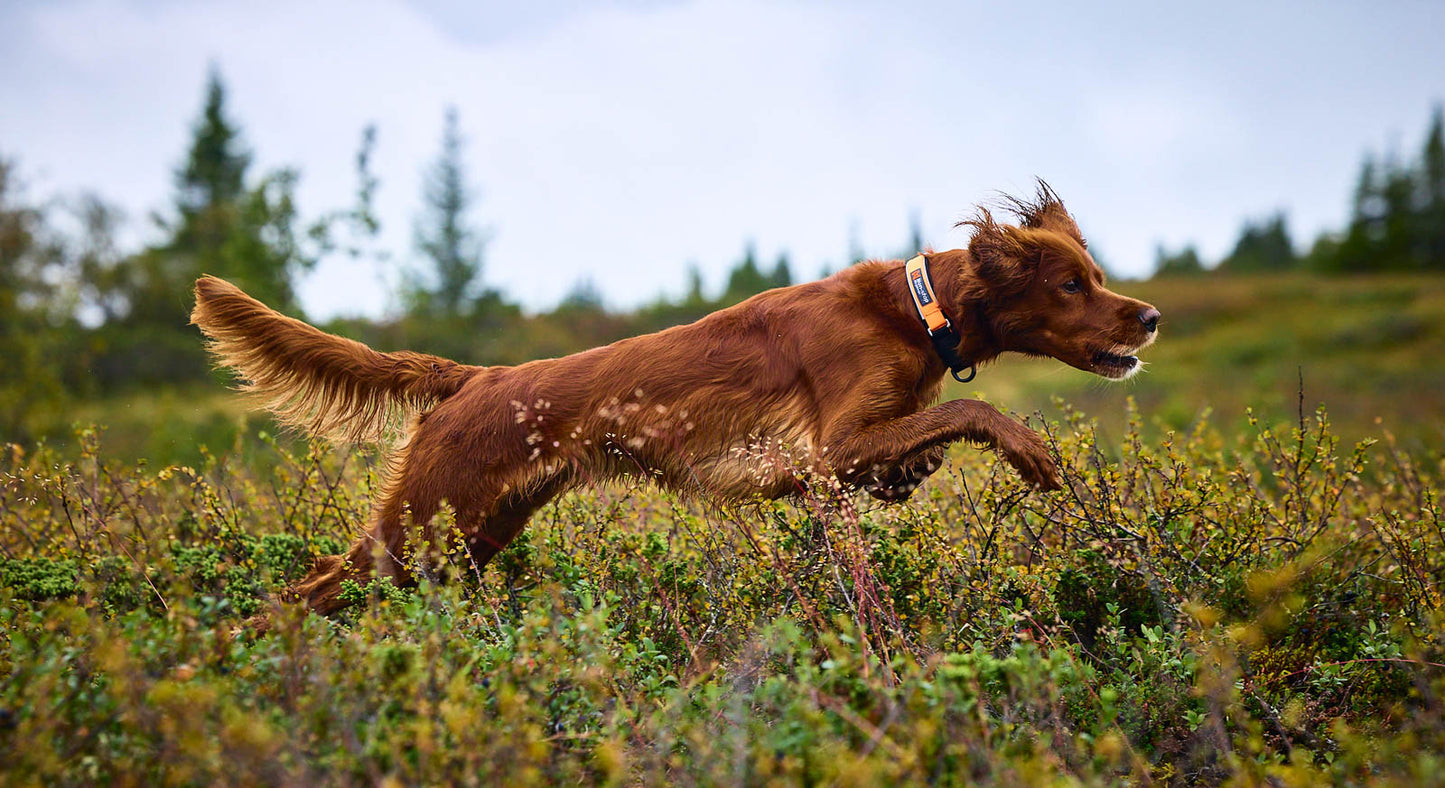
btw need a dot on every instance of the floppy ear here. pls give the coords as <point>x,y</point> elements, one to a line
<point>1002,256</point>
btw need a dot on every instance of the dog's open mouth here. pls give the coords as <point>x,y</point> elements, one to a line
<point>1114,365</point>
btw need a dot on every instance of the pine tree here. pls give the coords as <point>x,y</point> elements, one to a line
<point>1398,249</point>
<point>215,170</point>
<point>746,279</point>
<point>1262,247</point>
<point>855,245</point>
<point>1183,263</point>
<point>1367,207</point>
<point>1431,222</point>
<point>782,274</point>
<point>208,185</point>
<point>222,226</point>
<point>453,248</point>
<point>1357,250</point>
<point>695,295</point>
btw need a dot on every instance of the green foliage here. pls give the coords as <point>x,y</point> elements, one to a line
<point>1397,220</point>
<point>79,318</point>
<point>383,590</point>
<point>223,226</point>
<point>32,319</point>
<point>1201,610</point>
<point>38,578</point>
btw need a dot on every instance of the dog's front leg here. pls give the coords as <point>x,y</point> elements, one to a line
<point>857,452</point>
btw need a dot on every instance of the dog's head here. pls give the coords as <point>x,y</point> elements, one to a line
<point>1045,295</point>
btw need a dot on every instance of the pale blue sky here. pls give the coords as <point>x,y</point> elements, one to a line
<point>621,140</point>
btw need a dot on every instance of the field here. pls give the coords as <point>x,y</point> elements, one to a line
<point>1218,599</point>
<point>1368,348</point>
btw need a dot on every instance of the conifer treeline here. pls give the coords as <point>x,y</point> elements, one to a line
<point>1397,223</point>
<point>79,318</point>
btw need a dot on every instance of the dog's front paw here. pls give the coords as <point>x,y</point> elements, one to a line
<point>1026,451</point>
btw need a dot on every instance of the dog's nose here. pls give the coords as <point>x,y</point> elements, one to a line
<point>1149,316</point>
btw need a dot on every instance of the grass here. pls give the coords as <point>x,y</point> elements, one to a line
<point>1204,609</point>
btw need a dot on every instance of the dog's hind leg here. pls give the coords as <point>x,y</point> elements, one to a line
<point>486,521</point>
<point>486,536</point>
<point>321,590</point>
<point>382,549</point>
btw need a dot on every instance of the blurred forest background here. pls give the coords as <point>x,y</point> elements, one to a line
<point>92,332</point>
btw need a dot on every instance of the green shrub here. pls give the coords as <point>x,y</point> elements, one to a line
<point>39,578</point>
<point>1200,609</point>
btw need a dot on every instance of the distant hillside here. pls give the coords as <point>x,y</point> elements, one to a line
<point>1367,347</point>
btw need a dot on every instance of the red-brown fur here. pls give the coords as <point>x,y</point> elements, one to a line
<point>837,375</point>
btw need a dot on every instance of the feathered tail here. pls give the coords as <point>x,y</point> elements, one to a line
<point>327,385</point>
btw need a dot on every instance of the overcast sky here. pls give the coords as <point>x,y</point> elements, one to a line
<point>622,140</point>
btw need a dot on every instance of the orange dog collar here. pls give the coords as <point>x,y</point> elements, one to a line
<point>940,329</point>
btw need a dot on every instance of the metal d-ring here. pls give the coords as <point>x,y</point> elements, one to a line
<point>972,370</point>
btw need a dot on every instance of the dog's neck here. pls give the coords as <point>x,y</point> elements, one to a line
<point>962,302</point>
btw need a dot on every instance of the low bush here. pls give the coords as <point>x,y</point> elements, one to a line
<point>1197,610</point>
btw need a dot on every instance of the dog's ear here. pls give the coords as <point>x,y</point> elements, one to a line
<point>1002,257</point>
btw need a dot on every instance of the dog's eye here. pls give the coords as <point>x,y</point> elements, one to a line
<point>1073,286</point>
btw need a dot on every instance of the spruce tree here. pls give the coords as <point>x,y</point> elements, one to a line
<point>782,275</point>
<point>221,226</point>
<point>1431,222</point>
<point>746,279</point>
<point>443,236</point>
<point>215,170</point>
<point>1357,250</point>
<point>1185,262</point>
<point>695,295</point>
<point>1262,247</point>
<point>1397,249</point>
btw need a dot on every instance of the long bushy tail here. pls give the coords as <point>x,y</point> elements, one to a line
<point>326,385</point>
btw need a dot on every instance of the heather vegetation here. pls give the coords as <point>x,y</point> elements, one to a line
<point>1196,610</point>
